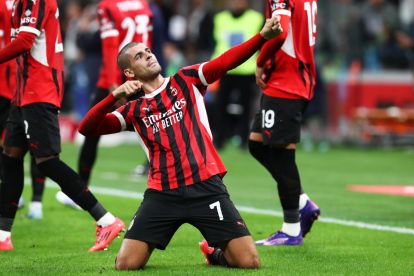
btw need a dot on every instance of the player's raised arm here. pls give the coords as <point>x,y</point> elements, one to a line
<point>218,67</point>
<point>23,43</point>
<point>98,120</point>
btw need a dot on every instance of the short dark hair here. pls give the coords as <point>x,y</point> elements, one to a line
<point>122,59</point>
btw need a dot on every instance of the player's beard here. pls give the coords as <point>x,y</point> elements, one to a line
<point>152,73</point>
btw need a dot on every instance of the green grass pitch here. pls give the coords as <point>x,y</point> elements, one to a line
<point>58,244</point>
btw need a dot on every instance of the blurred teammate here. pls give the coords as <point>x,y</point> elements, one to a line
<point>7,88</point>
<point>33,119</point>
<point>288,84</point>
<point>120,23</point>
<point>185,178</point>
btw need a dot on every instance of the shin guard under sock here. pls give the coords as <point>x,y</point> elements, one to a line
<point>12,187</point>
<point>285,172</point>
<point>38,181</point>
<point>261,153</point>
<point>70,183</point>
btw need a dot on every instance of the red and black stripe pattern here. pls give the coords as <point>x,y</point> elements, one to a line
<point>171,121</point>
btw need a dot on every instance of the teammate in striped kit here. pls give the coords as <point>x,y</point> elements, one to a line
<point>33,124</point>
<point>286,74</point>
<point>185,178</point>
<point>7,87</point>
<point>120,22</point>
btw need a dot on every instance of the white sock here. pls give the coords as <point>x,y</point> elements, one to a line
<point>35,205</point>
<point>4,235</point>
<point>292,229</point>
<point>106,220</point>
<point>303,198</point>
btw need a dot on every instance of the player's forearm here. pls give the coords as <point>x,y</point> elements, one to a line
<point>23,43</point>
<point>272,46</point>
<point>98,121</point>
<point>218,67</point>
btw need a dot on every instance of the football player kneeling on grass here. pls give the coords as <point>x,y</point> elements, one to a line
<point>185,177</point>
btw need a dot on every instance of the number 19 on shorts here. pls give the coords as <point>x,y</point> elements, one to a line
<point>268,118</point>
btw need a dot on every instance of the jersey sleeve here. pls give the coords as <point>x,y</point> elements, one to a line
<point>32,19</point>
<point>122,114</point>
<point>195,74</point>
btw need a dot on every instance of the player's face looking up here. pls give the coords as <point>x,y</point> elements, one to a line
<point>143,65</point>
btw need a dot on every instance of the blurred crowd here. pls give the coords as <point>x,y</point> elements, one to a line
<point>377,34</point>
<point>372,35</point>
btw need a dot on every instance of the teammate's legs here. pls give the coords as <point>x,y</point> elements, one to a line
<point>38,181</point>
<point>38,185</point>
<point>15,147</point>
<point>89,148</point>
<point>43,136</point>
<point>274,146</point>
<point>4,113</point>
<point>87,157</point>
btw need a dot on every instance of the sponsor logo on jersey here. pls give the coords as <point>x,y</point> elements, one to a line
<point>277,6</point>
<point>166,119</point>
<point>26,20</point>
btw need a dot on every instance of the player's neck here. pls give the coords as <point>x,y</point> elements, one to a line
<point>151,85</point>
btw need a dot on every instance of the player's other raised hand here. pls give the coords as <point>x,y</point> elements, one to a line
<point>272,27</point>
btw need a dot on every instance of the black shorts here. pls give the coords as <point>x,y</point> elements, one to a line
<point>279,120</point>
<point>205,205</point>
<point>34,127</point>
<point>4,112</point>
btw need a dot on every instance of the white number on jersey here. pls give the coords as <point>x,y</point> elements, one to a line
<point>311,9</point>
<point>139,25</point>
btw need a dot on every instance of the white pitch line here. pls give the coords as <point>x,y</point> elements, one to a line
<point>250,210</point>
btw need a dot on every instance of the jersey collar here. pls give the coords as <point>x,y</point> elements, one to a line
<point>158,90</point>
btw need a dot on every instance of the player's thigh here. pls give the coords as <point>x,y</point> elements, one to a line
<point>242,252</point>
<point>4,112</point>
<point>133,254</point>
<point>15,141</point>
<point>42,129</point>
<point>156,220</point>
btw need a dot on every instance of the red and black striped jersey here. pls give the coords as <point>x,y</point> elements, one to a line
<point>121,22</point>
<point>7,69</point>
<point>40,75</point>
<point>293,65</point>
<point>173,127</point>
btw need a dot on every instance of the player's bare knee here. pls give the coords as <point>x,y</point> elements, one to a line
<point>249,261</point>
<point>125,263</point>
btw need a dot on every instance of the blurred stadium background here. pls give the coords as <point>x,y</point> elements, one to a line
<point>359,132</point>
